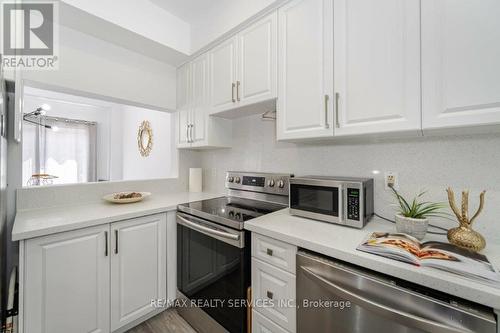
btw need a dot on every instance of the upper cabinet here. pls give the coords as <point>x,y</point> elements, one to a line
<point>196,129</point>
<point>340,68</point>
<point>243,68</point>
<point>223,76</point>
<point>460,63</point>
<point>377,66</point>
<point>305,70</point>
<point>257,54</point>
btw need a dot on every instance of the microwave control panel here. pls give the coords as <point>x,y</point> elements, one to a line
<point>353,203</point>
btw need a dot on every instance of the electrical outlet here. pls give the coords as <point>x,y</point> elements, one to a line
<point>391,179</point>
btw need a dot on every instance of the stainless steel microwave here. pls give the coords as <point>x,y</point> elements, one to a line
<point>341,200</point>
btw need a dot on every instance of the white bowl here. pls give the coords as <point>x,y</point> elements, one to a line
<point>111,197</point>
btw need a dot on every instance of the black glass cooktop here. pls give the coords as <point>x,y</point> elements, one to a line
<point>228,210</point>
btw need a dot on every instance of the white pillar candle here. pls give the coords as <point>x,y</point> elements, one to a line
<point>195,179</point>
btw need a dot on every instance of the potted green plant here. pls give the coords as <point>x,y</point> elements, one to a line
<point>413,216</point>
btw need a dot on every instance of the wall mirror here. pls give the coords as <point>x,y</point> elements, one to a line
<point>69,139</point>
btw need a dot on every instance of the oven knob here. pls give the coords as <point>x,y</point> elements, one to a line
<point>237,180</point>
<point>281,183</point>
<point>230,179</point>
<point>237,216</point>
<point>270,183</point>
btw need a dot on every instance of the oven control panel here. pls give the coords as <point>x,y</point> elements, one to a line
<point>271,183</point>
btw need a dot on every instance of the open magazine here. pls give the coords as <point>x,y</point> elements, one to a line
<point>438,255</point>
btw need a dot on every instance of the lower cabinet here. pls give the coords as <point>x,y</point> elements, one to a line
<point>66,282</point>
<point>138,268</point>
<point>273,288</point>
<point>96,279</point>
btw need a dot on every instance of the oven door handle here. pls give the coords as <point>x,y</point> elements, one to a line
<point>401,316</point>
<point>202,228</point>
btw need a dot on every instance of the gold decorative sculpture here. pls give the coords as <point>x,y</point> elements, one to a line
<point>463,235</point>
<point>145,138</point>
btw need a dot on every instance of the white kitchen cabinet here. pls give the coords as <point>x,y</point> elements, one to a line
<point>183,82</point>
<point>183,107</point>
<point>223,75</point>
<point>196,129</point>
<point>460,63</point>
<point>199,100</point>
<point>66,283</point>
<point>257,62</point>
<point>377,66</point>
<point>243,69</point>
<point>305,70</point>
<point>276,287</point>
<point>138,267</point>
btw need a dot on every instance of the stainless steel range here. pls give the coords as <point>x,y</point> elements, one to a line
<point>213,249</point>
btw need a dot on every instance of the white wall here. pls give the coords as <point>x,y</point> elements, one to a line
<point>462,162</point>
<point>159,163</point>
<point>142,17</point>
<point>221,17</point>
<point>93,66</point>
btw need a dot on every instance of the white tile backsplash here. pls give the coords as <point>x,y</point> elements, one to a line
<point>423,163</point>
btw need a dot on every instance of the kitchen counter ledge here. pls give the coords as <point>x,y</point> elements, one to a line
<point>340,242</point>
<point>42,222</point>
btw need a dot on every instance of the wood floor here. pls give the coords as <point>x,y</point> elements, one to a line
<point>168,321</point>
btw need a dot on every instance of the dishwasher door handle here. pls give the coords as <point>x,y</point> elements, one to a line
<point>401,316</point>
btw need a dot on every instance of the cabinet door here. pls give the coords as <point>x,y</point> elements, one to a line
<point>183,87</point>
<point>222,60</point>
<point>460,63</point>
<point>257,62</point>
<point>183,129</point>
<point>377,66</point>
<point>183,106</point>
<point>66,283</point>
<point>305,69</point>
<point>138,267</point>
<point>199,100</point>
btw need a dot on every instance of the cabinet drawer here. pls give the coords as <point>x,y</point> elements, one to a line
<point>261,324</point>
<point>272,251</point>
<point>274,294</point>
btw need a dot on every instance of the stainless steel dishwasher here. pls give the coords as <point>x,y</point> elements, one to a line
<point>335,297</point>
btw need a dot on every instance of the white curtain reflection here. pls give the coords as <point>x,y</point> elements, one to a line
<point>67,151</point>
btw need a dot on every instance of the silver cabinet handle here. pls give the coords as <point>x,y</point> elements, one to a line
<point>337,111</point>
<point>207,230</point>
<point>116,241</point>
<point>187,133</point>
<point>326,111</point>
<point>232,92</point>
<point>238,91</point>
<point>105,243</point>
<point>190,126</point>
<point>401,316</point>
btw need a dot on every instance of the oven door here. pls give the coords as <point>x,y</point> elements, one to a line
<point>316,201</point>
<point>213,269</point>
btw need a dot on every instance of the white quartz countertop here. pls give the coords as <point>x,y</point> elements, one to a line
<point>340,242</point>
<point>41,222</point>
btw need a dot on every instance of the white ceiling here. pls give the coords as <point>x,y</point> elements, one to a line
<point>187,10</point>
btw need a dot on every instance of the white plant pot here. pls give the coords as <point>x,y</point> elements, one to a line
<point>413,227</point>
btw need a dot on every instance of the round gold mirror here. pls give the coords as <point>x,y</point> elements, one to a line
<point>145,138</point>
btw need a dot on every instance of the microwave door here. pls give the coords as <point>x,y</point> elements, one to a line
<point>316,202</point>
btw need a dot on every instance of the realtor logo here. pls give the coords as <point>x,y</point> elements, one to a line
<point>30,35</point>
